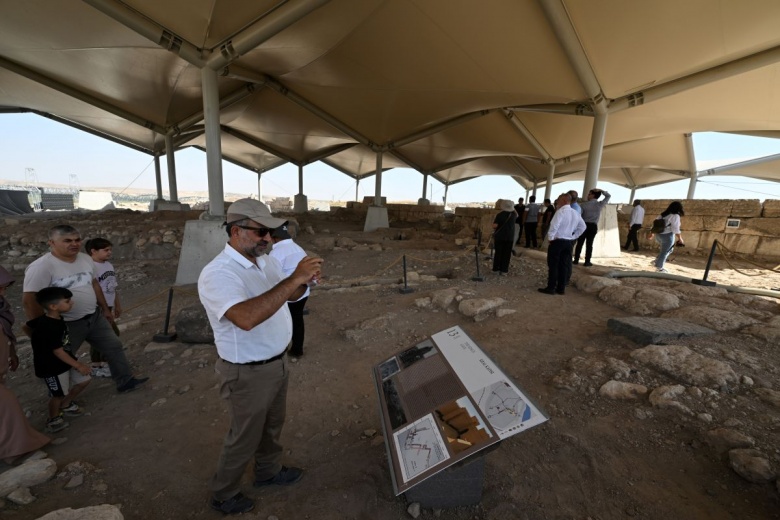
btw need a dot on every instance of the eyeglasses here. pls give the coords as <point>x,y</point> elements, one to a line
<point>259,231</point>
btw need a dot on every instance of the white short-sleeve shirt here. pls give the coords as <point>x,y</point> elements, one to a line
<point>289,254</point>
<point>76,276</point>
<point>230,279</point>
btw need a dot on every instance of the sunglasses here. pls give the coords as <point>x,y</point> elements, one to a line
<point>258,231</point>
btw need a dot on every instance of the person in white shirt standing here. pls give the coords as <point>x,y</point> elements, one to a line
<point>635,224</point>
<point>244,292</point>
<point>289,254</point>
<point>566,226</point>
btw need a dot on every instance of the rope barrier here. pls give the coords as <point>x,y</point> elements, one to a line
<point>724,249</point>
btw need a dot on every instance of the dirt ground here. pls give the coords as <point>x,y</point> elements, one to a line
<point>154,450</point>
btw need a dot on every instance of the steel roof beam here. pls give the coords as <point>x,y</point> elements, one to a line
<point>329,152</point>
<point>569,109</point>
<point>744,164</point>
<point>697,79</point>
<point>243,165</point>
<point>629,177</point>
<point>434,129</point>
<point>545,156</point>
<point>258,144</point>
<point>149,29</point>
<point>523,169</point>
<point>564,30</point>
<point>282,16</point>
<point>342,170</point>
<point>225,102</point>
<point>77,94</point>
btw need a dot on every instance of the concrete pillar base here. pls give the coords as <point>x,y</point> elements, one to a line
<point>423,202</point>
<point>607,241</point>
<point>203,240</point>
<point>300,204</point>
<point>376,218</point>
<point>166,205</point>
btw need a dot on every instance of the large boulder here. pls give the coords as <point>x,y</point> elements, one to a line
<point>639,301</point>
<point>192,325</point>
<point>686,365</point>
<point>28,474</point>
<point>594,284</point>
<point>718,319</point>
<point>474,306</point>
<point>101,512</point>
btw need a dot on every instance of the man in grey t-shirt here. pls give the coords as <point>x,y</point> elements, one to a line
<point>88,320</point>
<point>531,219</point>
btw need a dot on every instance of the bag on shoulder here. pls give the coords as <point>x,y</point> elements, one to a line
<point>659,225</point>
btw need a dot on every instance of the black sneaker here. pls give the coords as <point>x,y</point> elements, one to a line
<point>232,506</point>
<point>131,385</point>
<point>587,264</point>
<point>545,290</point>
<point>285,477</point>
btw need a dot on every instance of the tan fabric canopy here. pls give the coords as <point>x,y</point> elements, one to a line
<point>452,89</point>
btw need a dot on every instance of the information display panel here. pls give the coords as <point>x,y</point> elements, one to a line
<point>443,400</point>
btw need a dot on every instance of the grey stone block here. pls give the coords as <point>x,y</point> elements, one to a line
<point>192,325</point>
<point>459,485</point>
<point>647,331</point>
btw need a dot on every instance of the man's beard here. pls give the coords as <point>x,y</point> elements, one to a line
<point>257,249</point>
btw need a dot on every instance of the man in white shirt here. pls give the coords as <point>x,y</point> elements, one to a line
<point>244,292</point>
<point>566,226</point>
<point>635,224</point>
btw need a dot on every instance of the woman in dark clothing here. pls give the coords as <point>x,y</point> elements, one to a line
<point>503,236</point>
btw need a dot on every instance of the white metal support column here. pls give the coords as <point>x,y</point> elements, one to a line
<point>301,202</point>
<point>424,201</point>
<point>158,176</point>
<point>631,198</point>
<point>376,217</point>
<point>691,165</point>
<point>550,177</point>
<point>260,186</point>
<point>536,185</point>
<point>173,192</point>
<point>446,188</point>
<point>213,143</point>
<point>357,189</point>
<point>596,148</point>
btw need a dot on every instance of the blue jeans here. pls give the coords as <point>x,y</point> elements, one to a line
<point>666,241</point>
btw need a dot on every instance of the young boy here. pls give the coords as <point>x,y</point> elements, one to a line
<point>101,251</point>
<point>63,374</point>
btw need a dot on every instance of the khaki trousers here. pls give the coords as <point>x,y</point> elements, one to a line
<point>257,401</point>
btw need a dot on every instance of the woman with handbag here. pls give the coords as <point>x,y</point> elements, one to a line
<point>503,236</point>
<point>666,236</point>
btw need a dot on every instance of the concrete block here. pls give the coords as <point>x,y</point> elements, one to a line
<point>376,218</point>
<point>771,208</point>
<point>743,244</point>
<point>768,246</point>
<point>692,223</point>
<point>706,207</point>
<point>459,485</point>
<point>745,208</point>
<point>654,331</point>
<point>300,203</point>
<point>607,241</point>
<point>713,223</point>
<point>758,226</point>
<point>203,240</point>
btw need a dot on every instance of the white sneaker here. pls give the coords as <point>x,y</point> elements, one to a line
<point>662,270</point>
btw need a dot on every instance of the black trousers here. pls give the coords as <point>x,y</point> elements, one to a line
<point>502,255</point>
<point>296,310</point>
<point>530,234</point>
<point>586,238</point>
<point>632,237</point>
<point>558,264</point>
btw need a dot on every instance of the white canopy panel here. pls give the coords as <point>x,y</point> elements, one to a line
<point>453,89</point>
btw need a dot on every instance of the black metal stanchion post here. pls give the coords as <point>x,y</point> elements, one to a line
<point>478,277</point>
<point>405,289</point>
<point>704,280</point>
<point>165,336</point>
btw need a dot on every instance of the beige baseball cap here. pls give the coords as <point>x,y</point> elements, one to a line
<point>254,210</point>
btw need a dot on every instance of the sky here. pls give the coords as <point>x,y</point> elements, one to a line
<point>62,155</point>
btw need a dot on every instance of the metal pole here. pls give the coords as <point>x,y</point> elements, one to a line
<point>446,187</point>
<point>357,186</point>
<point>405,289</point>
<point>425,186</point>
<point>378,186</point>
<point>704,281</point>
<point>300,179</point>
<point>691,165</point>
<point>594,155</point>
<point>631,198</point>
<point>158,175</point>
<point>536,185</point>
<point>213,142</point>
<point>259,187</point>
<point>172,191</point>
<point>166,336</point>
<point>550,178</point>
